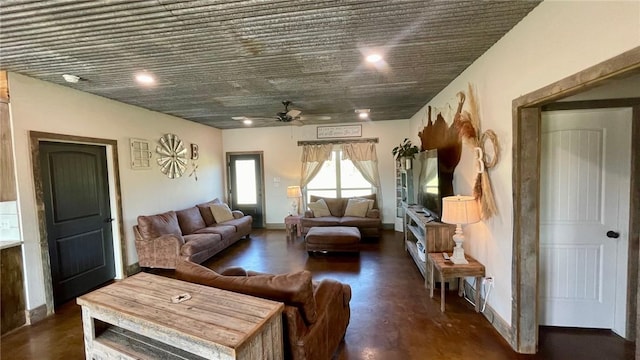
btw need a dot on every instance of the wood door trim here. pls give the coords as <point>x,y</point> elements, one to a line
<point>591,104</point>
<point>526,187</point>
<point>35,138</point>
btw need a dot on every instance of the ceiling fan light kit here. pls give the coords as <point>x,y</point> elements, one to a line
<point>293,116</point>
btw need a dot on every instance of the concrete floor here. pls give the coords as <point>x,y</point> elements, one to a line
<point>392,316</point>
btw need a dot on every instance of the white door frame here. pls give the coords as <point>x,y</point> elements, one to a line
<point>523,333</point>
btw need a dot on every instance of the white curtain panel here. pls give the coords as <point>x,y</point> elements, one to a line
<point>365,159</point>
<point>313,156</point>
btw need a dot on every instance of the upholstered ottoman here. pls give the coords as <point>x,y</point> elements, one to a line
<point>333,238</point>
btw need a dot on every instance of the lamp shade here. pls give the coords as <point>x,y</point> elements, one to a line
<point>294,192</point>
<point>460,210</point>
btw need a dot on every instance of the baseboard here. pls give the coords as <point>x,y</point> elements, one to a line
<point>132,269</point>
<point>36,315</point>
<point>492,316</point>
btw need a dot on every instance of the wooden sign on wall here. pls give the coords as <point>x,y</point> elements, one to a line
<point>327,132</point>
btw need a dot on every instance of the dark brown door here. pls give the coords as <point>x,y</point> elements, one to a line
<point>245,185</point>
<point>76,198</point>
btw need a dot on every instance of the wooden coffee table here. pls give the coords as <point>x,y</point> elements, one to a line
<point>136,319</point>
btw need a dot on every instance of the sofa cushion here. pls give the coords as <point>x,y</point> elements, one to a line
<point>293,289</point>
<point>322,221</point>
<point>319,208</point>
<point>242,225</point>
<point>360,222</point>
<point>152,226</point>
<point>205,211</point>
<point>225,231</point>
<point>358,207</point>
<point>196,243</point>
<point>190,220</point>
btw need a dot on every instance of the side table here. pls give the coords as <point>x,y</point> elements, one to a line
<point>294,226</point>
<point>447,269</point>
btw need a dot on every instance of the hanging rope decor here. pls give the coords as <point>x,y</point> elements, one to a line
<point>483,189</point>
<point>469,130</point>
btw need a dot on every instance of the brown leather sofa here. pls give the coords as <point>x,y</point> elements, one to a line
<point>369,225</point>
<point>316,314</point>
<point>191,234</point>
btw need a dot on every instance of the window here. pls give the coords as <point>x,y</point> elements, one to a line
<point>338,179</point>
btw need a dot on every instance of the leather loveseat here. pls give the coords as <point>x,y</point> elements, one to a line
<point>191,234</point>
<point>369,224</point>
<point>316,314</point>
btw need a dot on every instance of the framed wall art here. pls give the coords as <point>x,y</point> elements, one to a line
<point>140,153</point>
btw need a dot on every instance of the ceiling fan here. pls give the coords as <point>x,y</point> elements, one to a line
<point>288,116</point>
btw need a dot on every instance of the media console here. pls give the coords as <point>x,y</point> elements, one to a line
<point>433,236</point>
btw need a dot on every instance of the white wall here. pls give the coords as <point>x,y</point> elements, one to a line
<point>557,39</point>
<point>282,160</point>
<point>46,107</point>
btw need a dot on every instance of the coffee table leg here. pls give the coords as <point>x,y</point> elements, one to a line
<point>441,293</point>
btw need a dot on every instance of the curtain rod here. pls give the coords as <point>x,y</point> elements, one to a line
<point>337,141</point>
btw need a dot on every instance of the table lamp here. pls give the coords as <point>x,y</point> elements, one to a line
<point>293,192</point>
<point>459,210</point>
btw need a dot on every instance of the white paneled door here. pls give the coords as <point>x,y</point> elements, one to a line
<point>584,204</point>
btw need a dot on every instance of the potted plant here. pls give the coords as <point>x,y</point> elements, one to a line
<point>405,151</point>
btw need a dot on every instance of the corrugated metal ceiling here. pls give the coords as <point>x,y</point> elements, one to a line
<point>215,60</point>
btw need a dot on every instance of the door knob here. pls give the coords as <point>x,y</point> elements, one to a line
<point>613,234</point>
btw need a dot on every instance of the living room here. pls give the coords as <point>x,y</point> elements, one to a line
<point>578,34</point>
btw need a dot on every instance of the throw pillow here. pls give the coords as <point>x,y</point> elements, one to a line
<point>221,212</point>
<point>369,201</point>
<point>357,208</point>
<point>153,226</point>
<point>319,208</point>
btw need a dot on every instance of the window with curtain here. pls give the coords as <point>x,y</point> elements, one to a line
<point>338,178</point>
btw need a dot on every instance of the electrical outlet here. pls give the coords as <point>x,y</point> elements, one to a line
<point>489,280</point>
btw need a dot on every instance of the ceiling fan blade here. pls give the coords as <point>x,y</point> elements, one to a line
<point>243,118</point>
<point>293,113</point>
<point>315,117</point>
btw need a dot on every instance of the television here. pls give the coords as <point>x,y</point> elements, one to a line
<point>435,181</point>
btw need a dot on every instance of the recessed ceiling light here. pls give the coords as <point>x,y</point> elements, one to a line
<point>373,58</point>
<point>363,113</point>
<point>145,78</point>
<point>71,78</point>
<point>247,122</point>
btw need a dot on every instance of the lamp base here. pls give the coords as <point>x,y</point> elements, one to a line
<point>458,256</point>
<point>294,208</point>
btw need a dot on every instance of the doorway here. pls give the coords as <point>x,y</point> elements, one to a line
<point>527,109</point>
<point>246,185</point>
<point>117,228</point>
<point>78,214</point>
